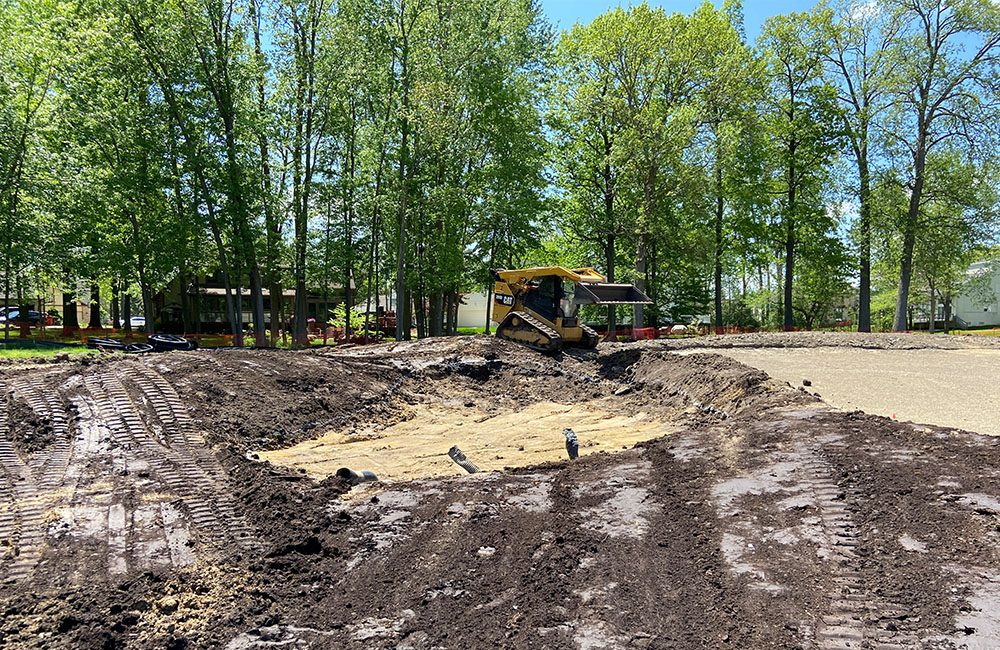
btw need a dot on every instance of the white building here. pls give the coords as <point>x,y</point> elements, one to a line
<point>472,310</point>
<point>979,308</point>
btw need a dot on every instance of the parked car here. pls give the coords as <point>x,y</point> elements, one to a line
<point>34,318</point>
<point>137,322</point>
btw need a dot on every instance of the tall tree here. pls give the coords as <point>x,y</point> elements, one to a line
<point>944,92</point>
<point>861,35</point>
<point>28,67</point>
<point>801,118</point>
<point>728,95</point>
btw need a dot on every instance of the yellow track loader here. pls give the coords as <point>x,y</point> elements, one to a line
<point>539,307</point>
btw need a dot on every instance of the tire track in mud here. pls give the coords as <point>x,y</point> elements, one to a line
<point>846,626</point>
<point>34,483</point>
<point>210,509</point>
<point>169,409</point>
<point>799,477</point>
<point>191,443</point>
<point>12,470</point>
<point>49,465</point>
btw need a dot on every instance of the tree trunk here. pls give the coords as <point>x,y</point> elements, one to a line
<point>402,296</point>
<point>70,319</point>
<point>420,313</point>
<point>638,317</point>
<point>789,316</point>
<point>115,311</point>
<point>402,293</point>
<point>271,222</point>
<point>126,311</point>
<point>718,258</point>
<point>257,304</point>
<point>719,213</point>
<point>147,306</point>
<point>864,285</point>
<point>277,303</point>
<point>905,271</point>
<point>300,203</point>
<point>196,307</point>
<point>95,306</point>
<point>407,315</point>
<point>185,304</point>
<point>933,309</point>
<point>947,312</point>
<point>910,235</point>
<point>609,253</point>
<point>437,313</point>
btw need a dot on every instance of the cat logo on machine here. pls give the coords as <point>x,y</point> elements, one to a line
<point>504,300</point>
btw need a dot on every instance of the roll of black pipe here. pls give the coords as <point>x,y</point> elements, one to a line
<point>354,477</point>
<point>167,342</point>
<point>95,343</point>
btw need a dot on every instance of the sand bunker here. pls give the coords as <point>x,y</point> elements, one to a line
<point>418,447</point>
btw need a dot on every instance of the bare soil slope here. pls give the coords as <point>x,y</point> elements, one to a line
<point>132,517</point>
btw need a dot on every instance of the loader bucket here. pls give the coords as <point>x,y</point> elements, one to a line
<point>592,293</point>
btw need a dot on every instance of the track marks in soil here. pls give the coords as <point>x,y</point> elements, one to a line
<point>12,470</point>
<point>856,615</point>
<point>184,468</point>
<point>129,478</point>
<point>49,465</point>
<point>795,485</point>
<point>33,483</point>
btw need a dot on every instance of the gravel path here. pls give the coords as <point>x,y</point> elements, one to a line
<point>871,341</point>
<point>950,388</point>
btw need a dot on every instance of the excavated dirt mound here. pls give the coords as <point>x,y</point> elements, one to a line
<point>762,519</point>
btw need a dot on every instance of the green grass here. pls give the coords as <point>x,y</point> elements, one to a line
<point>990,332</point>
<point>34,353</point>
<point>470,331</point>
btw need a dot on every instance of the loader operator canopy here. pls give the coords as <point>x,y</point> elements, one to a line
<point>568,306</point>
<point>551,297</point>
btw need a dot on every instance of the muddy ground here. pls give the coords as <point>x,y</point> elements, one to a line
<point>133,515</point>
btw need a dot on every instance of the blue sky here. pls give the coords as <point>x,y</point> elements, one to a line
<point>566,12</point>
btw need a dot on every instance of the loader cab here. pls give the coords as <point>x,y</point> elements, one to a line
<point>551,297</point>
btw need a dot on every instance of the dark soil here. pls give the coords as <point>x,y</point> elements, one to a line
<point>767,521</point>
<point>29,431</point>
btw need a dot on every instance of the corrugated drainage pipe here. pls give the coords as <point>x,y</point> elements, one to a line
<point>355,477</point>
<point>456,455</point>
<point>572,444</point>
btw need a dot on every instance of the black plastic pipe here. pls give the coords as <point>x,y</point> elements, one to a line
<point>572,444</point>
<point>456,455</point>
<point>355,477</point>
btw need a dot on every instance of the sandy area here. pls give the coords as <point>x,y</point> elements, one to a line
<point>419,446</point>
<point>952,388</point>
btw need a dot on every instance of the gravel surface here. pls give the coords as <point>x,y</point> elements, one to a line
<point>949,388</point>
<point>948,381</point>
<point>875,341</point>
